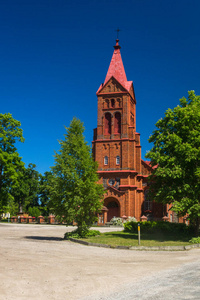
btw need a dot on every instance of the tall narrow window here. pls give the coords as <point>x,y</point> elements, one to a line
<point>119,102</point>
<point>117,123</point>
<point>107,103</point>
<point>147,201</point>
<point>107,124</point>
<point>112,103</point>
<point>106,160</point>
<point>117,160</point>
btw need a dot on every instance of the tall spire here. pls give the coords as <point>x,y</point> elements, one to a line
<point>116,68</point>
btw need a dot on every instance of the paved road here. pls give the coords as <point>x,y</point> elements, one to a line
<point>35,263</point>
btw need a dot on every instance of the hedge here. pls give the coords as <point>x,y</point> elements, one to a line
<point>158,226</point>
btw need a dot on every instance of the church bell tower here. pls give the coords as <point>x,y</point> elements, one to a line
<point>116,144</point>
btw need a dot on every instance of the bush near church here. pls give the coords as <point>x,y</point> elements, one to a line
<point>195,240</point>
<point>159,226</point>
<point>121,221</point>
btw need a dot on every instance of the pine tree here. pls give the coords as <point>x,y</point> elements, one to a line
<point>75,194</point>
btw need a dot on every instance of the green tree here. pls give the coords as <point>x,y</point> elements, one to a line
<point>44,192</point>
<point>176,151</point>
<point>75,194</point>
<point>26,190</point>
<point>32,178</point>
<point>34,211</point>
<point>11,164</point>
<point>20,191</point>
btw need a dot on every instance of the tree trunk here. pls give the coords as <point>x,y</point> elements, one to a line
<point>20,208</point>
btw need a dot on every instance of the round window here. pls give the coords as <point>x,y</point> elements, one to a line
<point>111,181</point>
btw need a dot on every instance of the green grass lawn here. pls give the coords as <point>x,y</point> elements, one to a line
<point>121,238</point>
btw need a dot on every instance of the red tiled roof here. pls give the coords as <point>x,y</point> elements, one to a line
<point>149,164</point>
<point>116,69</point>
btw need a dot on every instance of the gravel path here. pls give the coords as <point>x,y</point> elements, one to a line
<point>36,263</point>
<point>178,284</point>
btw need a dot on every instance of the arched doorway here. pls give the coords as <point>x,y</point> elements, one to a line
<point>113,207</point>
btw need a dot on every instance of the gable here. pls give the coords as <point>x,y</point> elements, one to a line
<point>146,167</point>
<point>114,191</point>
<point>112,86</point>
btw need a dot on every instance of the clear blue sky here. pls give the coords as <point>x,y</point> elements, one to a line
<point>54,55</point>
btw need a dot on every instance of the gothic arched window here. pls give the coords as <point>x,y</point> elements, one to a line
<point>106,160</point>
<point>107,123</point>
<point>117,124</point>
<point>107,103</point>
<point>112,103</point>
<point>119,102</point>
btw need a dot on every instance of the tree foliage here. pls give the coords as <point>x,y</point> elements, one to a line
<point>34,211</point>
<point>44,196</point>
<point>176,151</point>
<point>32,178</point>
<point>26,190</point>
<point>11,165</point>
<point>75,194</point>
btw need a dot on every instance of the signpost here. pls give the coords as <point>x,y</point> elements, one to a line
<point>138,233</point>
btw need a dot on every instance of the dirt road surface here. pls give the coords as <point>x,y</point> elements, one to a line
<point>36,263</point>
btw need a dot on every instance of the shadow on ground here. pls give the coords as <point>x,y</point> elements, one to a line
<point>44,238</point>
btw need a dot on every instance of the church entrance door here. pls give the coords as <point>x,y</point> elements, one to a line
<point>113,208</point>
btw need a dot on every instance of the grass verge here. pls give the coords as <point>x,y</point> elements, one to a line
<point>120,238</point>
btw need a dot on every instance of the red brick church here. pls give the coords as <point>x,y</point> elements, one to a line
<point>117,149</point>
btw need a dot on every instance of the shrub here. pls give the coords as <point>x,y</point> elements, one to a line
<point>34,211</point>
<point>120,221</point>
<point>92,233</point>
<point>158,226</point>
<point>117,221</point>
<point>131,227</point>
<point>131,219</point>
<point>195,240</point>
<point>76,234</point>
<point>4,220</point>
